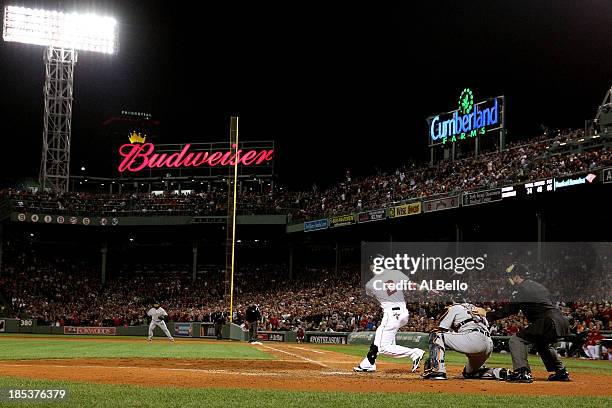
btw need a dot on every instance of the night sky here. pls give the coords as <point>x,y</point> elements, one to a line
<point>335,87</point>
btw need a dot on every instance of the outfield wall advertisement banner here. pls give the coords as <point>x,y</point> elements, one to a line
<point>315,225</point>
<point>183,329</point>
<point>271,336</point>
<point>607,175</point>
<point>405,210</point>
<point>341,220</point>
<point>207,330</point>
<point>2,325</point>
<point>571,181</point>
<point>406,339</point>
<point>375,215</point>
<point>441,204</point>
<point>482,197</point>
<point>103,331</point>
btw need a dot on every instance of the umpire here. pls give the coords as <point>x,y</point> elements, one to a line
<point>219,318</point>
<point>546,325</point>
<point>252,317</point>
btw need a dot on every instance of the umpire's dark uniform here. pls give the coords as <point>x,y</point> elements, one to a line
<point>219,318</point>
<point>253,316</point>
<point>546,325</point>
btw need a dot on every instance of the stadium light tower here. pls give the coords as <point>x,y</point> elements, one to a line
<point>63,34</point>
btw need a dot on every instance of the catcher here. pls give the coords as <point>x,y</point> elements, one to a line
<point>464,328</point>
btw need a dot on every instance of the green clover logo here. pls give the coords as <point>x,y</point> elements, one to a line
<point>466,101</point>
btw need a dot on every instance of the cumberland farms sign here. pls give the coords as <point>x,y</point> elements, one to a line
<point>468,121</point>
<point>137,157</point>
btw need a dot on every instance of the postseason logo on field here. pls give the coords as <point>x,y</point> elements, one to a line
<point>327,339</point>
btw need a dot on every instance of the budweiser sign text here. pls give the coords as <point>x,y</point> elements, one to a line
<point>137,157</point>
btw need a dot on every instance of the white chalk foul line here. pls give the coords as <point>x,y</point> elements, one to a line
<point>298,356</point>
<point>305,349</point>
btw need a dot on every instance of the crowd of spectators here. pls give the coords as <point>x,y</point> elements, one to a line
<point>541,157</point>
<point>57,292</point>
<point>520,162</point>
<point>211,203</point>
<point>63,292</point>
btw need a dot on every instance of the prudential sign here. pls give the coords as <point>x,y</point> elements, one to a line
<point>469,121</point>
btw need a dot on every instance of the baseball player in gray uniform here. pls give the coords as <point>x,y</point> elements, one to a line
<point>157,314</point>
<point>464,328</point>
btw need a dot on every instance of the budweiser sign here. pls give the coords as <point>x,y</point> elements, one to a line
<point>137,157</point>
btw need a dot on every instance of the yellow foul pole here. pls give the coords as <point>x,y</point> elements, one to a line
<point>234,147</point>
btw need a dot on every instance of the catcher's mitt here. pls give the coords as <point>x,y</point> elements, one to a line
<point>479,311</point>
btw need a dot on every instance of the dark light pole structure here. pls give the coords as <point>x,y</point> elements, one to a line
<point>63,34</point>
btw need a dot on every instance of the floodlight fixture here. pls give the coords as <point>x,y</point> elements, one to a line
<point>84,32</point>
<point>63,34</point>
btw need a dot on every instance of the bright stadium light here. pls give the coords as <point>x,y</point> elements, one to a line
<point>86,32</point>
<point>63,34</point>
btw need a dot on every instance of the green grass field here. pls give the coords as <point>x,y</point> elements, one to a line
<point>84,394</point>
<point>37,348</point>
<point>96,395</point>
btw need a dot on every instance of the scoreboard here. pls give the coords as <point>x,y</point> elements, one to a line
<point>549,185</point>
<point>529,189</point>
<point>542,186</point>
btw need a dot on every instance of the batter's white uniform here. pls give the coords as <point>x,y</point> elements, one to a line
<point>395,315</point>
<point>155,315</point>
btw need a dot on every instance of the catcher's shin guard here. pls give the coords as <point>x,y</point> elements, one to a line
<point>372,354</point>
<point>435,364</point>
<point>426,369</point>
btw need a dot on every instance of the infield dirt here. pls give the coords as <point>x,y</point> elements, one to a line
<point>298,367</point>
